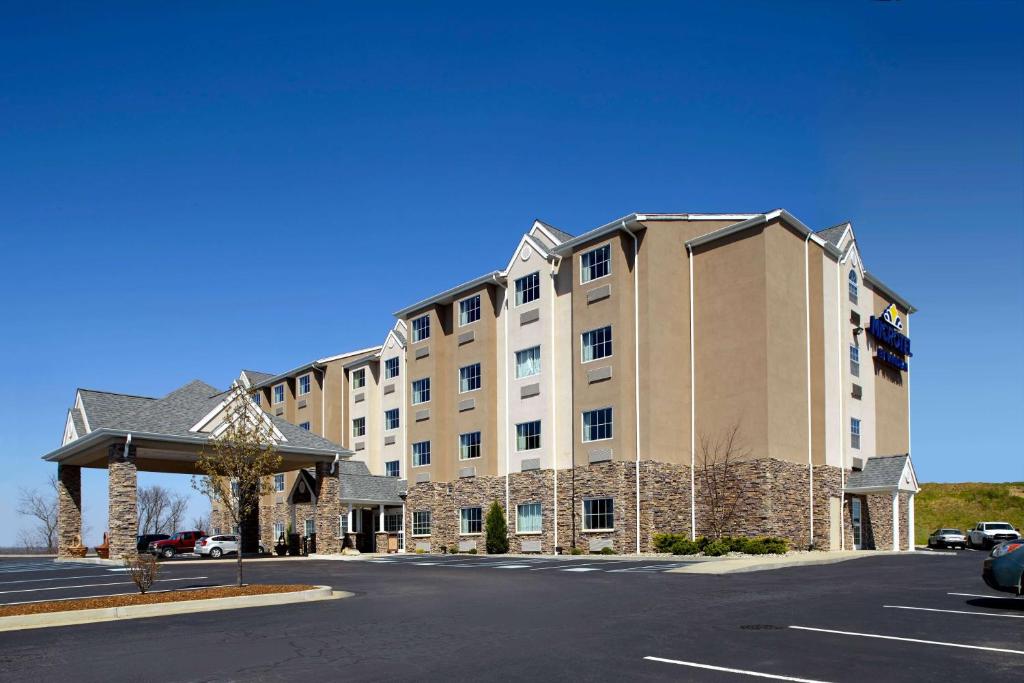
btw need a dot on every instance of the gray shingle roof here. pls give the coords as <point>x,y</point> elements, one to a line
<point>76,417</point>
<point>834,234</point>
<point>106,409</point>
<point>562,235</point>
<point>255,377</point>
<point>879,472</point>
<point>370,487</point>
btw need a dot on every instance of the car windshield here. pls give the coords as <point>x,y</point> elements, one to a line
<point>950,531</point>
<point>998,526</point>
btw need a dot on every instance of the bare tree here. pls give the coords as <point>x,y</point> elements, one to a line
<point>201,523</point>
<point>238,462</point>
<point>161,511</point>
<point>41,509</point>
<point>719,480</point>
<point>142,570</point>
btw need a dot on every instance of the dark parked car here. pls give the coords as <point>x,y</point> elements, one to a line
<point>144,540</point>
<point>180,542</point>
<point>1004,568</point>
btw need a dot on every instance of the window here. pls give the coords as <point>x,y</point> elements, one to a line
<point>304,425</point>
<point>359,426</point>
<point>528,436</point>
<point>279,393</point>
<point>528,519</point>
<point>421,523</point>
<point>470,521</point>
<point>310,527</point>
<point>469,310</point>
<point>420,453</point>
<point>393,522</point>
<point>469,378</point>
<point>421,328</point>
<point>391,368</point>
<point>854,433</point>
<point>391,419</point>
<point>528,362</point>
<point>279,482</point>
<point>854,360</point>
<point>598,514</point>
<point>597,343</point>
<point>421,391</point>
<point>303,385</point>
<point>235,490</point>
<point>527,289</point>
<point>359,378</point>
<point>469,446</point>
<point>597,424</point>
<point>278,529</point>
<point>256,398</point>
<point>595,263</point>
<point>853,286</point>
<point>391,468</point>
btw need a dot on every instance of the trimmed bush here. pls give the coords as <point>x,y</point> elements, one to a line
<point>496,530</point>
<point>472,551</point>
<point>576,551</point>
<point>685,546</point>
<point>606,551</point>
<point>717,548</point>
<point>663,542</point>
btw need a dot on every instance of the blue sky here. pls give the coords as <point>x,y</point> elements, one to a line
<point>191,189</point>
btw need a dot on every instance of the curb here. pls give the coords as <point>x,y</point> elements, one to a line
<point>743,565</point>
<point>91,616</point>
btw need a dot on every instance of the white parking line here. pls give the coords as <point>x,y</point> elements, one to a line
<point>909,640</point>
<point>581,569</point>
<point>756,674</point>
<point>561,565</point>
<point>980,595</point>
<point>57,578</point>
<point>92,585</point>
<point>512,566</point>
<point>956,611</point>
<point>110,595</point>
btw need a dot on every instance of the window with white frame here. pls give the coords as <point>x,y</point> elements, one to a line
<point>469,310</point>
<point>469,378</point>
<point>420,453</point>
<point>421,328</point>
<point>359,426</point>
<point>854,433</point>
<point>391,468</point>
<point>392,522</point>
<point>854,360</point>
<point>279,393</point>
<point>471,520</point>
<point>421,523</point>
<point>279,482</point>
<point>469,446</point>
<point>528,362</point>
<point>597,424</point>
<point>359,378</point>
<point>527,289</point>
<point>528,436</point>
<point>597,343</point>
<point>598,514</point>
<point>528,518</point>
<point>391,368</point>
<point>595,263</point>
<point>304,383</point>
<point>256,398</point>
<point>278,530</point>
<point>421,391</point>
<point>310,527</point>
<point>304,425</point>
<point>357,522</point>
<point>853,286</point>
<point>391,419</point>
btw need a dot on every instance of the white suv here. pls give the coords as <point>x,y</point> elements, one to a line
<point>218,546</point>
<point>988,534</point>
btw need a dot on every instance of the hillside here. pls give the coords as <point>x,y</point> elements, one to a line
<point>964,505</point>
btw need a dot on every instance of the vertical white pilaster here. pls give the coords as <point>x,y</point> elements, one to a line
<point>404,534</point>
<point>350,529</point>
<point>910,523</point>
<point>380,511</point>
<point>896,520</point>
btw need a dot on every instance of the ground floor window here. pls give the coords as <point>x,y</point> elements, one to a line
<point>421,523</point>
<point>470,520</point>
<point>392,522</point>
<point>528,518</point>
<point>598,514</point>
<point>310,527</point>
<point>278,530</point>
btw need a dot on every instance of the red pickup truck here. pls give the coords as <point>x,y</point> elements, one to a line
<point>180,542</point>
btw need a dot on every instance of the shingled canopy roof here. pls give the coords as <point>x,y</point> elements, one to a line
<point>884,473</point>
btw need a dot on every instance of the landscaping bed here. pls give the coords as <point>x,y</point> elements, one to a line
<point>150,598</point>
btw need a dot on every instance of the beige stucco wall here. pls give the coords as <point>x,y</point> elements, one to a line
<point>892,403</point>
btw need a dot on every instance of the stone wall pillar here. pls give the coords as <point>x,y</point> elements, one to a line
<point>328,510</point>
<point>122,516</point>
<point>69,509</point>
<point>381,542</point>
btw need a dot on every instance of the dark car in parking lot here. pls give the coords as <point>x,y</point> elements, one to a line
<point>143,541</point>
<point>1003,569</point>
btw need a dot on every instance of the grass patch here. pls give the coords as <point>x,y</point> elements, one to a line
<point>149,598</point>
<point>964,505</point>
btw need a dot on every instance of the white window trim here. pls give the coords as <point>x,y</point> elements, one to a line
<point>583,515</point>
<point>298,384</point>
<point>273,394</point>
<point>515,362</point>
<point>480,446</point>
<point>398,374</point>
<point>362,370</point>
<point>515,304</point>
<point>479,310</point>
<point>412,524</point>
<point>412,329</point>
<point>480,377</point>
<point>583,426</point>
<point>279,490</point>
<point>358,436</point>
<point>412,462</point>
<point>600,277</point>
<point>530,533</point>
<point>595,360</point>
<point>482,520</point>
<point>541,436</point>
<point>391,429</point>
<point>412,392</point>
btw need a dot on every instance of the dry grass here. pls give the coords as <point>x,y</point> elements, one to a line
<point>149,598</point>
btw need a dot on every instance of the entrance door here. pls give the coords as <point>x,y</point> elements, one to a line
<point>855,514</point>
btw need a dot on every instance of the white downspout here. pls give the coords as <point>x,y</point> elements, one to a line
<point>508,404</point>
<point>693,410</point>
<point>636,370</point>
<point>810,435</point>
<point>555,265</point>
<point>842,398</point>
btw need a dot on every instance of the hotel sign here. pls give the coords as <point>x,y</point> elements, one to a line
<point>888,331</point>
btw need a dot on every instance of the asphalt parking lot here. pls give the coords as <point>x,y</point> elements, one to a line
<point>903,618</point>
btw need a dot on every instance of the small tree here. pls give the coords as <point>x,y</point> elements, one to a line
<point>41,508</point>
<point>142,569</point>
<point>238,462</point>
<point>719,479</point>
<point>496,530</point>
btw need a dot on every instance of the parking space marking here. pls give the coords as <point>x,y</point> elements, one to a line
<point>756,674</point>
<point>92,585</point>
<point>45,567</point>
<point>956,611</point>
<point>560,565</point>
<point>664,566</point>
<point>512,566</point>
<point>55,578</point>
<point>980,595</point>
<point>581,569</point>
<point>909,640</point>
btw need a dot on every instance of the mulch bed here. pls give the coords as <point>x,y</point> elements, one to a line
<point>150,598</point>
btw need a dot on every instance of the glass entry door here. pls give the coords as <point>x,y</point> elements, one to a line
<point>855,515</point>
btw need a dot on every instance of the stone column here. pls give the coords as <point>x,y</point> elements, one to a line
<point>123,515</point>
<point>328,510</point>
<point>381,542</point>
<point>69,509</point>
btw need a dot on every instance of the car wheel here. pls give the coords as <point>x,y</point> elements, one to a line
<point>168,553</point>
<point>215,553</point>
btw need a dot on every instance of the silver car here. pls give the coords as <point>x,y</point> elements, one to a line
<point>222,544</point>
<point>947,538</point>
